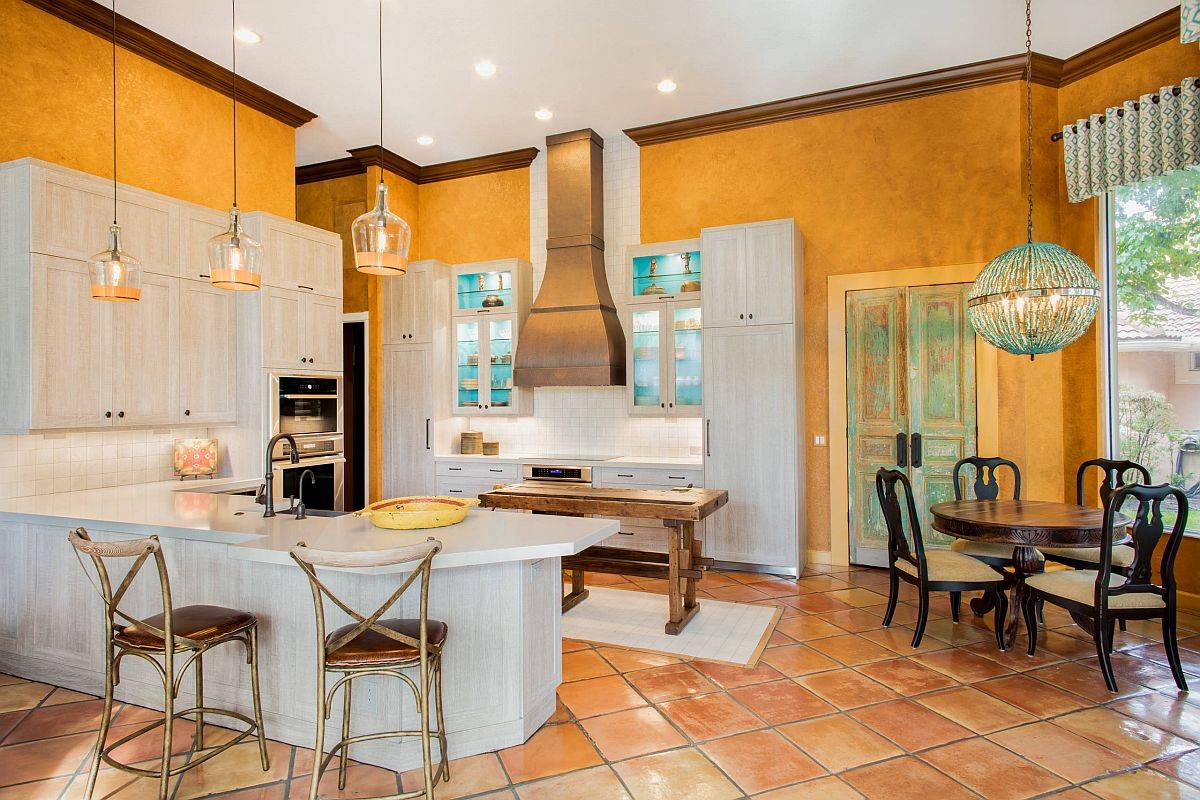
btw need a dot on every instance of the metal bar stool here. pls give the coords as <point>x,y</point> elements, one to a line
<point>374,646</point>
<point>192,630</point>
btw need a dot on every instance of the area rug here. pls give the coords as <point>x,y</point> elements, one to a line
<point>735,633</point>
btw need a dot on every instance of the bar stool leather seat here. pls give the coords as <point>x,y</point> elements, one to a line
<point>198,623</point>
<point>370,647</point>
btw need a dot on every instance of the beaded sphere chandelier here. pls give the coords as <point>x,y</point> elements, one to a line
<point>1036,297</point>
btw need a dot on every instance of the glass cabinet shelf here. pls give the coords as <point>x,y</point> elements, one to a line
<point>666,274</point>
<point>665,359</point>
<point>474,290</point>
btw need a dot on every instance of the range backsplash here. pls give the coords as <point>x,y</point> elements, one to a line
<point>66,462</point>
<point>571,420</point>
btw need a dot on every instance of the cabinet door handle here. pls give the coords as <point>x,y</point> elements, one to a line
<point>751,316</point>
<point>670,405</point>
<point>708,437</point>
<point>108,415</point>
<point>901,450</point>
<point>741,316</point>
<point>483,311</point>
<point>916,450</point>
<point>187,412</point>
<point>302,286</point>
<point>427,433</point>
<point>205,275</point>
<point>121,414</point>
<point>664,405</point>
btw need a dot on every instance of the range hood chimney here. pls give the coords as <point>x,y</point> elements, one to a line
<point>572,336</point>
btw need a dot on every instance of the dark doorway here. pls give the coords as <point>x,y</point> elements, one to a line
<point>354,392</point>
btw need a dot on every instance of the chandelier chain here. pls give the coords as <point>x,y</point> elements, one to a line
<point>1029,118</point>
<point>381,75</point>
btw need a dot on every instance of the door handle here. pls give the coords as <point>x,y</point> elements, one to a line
<point>707,437</point>
<point>427,433</point>
<point>901,450</point>
<point>916,450</point>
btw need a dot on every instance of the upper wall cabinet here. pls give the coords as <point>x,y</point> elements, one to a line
<point>199,225</point>
<point>70,213</point>
<point>297,256</point>
<point>503,286</point>
<point>664,271</point>
<point>748,274</point>
<point>408,303</point>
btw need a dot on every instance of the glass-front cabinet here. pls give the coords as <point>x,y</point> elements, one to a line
<point>483,374</point>
<point>492,288</point>
<point>664,359</point>
<point>665,271</point>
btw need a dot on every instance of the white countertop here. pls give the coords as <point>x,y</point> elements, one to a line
<point>646,462</point>
<point>195,510</point>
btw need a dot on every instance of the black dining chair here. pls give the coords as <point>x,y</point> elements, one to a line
<point>929,571</point>
<point>1105,596</point>
<point>985,486</point>
<point>1113,479</point>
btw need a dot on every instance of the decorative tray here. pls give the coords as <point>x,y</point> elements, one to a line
<point>415,513</point>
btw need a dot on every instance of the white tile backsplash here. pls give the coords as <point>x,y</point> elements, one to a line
<point>65,462</point>
<point>593,420</point>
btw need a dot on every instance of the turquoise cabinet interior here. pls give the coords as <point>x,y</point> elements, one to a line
<point>483,372</point>
<point>486,289</point>
<point>665,359</point>
<point>500,366</point>
<point>468,353</point>
<point>666,273</point>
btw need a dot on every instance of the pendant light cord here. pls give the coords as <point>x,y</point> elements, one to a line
<point>1029,118</point>
<point>114,108</point>
<point>233,9</point>
<point>381,79</point>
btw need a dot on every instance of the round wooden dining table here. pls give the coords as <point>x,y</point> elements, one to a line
<point>1026,525</point>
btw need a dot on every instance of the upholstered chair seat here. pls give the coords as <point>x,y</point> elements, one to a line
<point>1122,556</point>
<point>996,552</point>
<point>1080,585</point>
<point>947,566</point>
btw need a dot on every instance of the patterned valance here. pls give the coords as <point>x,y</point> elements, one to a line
<point>1189,21</point>
<point>1139,139</point>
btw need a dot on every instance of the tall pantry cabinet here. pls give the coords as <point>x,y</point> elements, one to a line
<point>753,393</point>
<point>415,330</point>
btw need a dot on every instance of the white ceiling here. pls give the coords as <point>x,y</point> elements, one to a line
<point>595,63</point>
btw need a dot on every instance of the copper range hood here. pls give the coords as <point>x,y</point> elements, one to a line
<point>572,336</point>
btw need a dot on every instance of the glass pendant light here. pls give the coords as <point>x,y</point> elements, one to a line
<point>116,275</point>
<point>1036,297</point>
<point>381,238</point>
<point>234,259</point>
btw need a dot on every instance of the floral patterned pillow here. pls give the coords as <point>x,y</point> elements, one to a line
<point>196,457</point>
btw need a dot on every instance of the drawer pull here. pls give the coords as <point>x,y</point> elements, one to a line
<point>494,469</point>
<point>677,477</point>
<point>456,491</point>
<point>622,475</point>
<point>455,469</point>
<point>625,533</point>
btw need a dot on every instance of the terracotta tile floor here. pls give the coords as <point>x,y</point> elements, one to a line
<point>837,708</point>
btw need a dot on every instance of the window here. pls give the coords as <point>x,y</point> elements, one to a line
<point>1154,328</point>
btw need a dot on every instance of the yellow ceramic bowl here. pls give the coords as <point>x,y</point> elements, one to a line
<point>414,513</point>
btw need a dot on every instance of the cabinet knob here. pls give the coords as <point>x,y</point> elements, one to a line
<point>664,405</point>
<point>751,316</point>
<point>121,414</point>
<point>741,316</point>
<point>108,415</point>
<point>670,405</point>
<point>187,412</point>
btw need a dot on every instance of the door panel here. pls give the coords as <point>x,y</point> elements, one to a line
<point>408,467</point>
<point>145,355</point>
<point>910,359</point>
<point>941,346</point>
<point>876,409</point>
<point>323,331</point>
<point>769,292</point>
<point>724,290</point>
<point>207,353</point>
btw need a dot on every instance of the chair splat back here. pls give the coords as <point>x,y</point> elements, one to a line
<point>986,486</point>
<point>899,547</point>
<point>1113,478</point>
<point>1146,533</point>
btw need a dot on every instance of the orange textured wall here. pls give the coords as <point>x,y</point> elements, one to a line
<point>926,182</point>
<point>477,218</point>
<point>174,134</point>
<point>334,205</point>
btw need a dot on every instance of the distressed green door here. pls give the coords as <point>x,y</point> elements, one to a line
<point>910,360</point>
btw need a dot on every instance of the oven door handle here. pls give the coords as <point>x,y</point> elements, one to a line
<point>309,462</point>
<point>309,396</point>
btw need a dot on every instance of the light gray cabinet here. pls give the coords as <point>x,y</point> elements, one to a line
<point>408,415</point>
<point>750,275</point>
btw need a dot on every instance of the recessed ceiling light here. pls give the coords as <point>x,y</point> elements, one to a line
<point>247,36</point>
<point>666,86</point>
<point>485,69</point>
<point>543,114</point>
<point>425,140</point>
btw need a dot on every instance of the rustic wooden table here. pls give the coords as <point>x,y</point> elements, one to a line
<point>1026,525</point>
<point>679,509</point>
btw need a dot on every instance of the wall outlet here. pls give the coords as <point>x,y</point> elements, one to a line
<point>819,440</point>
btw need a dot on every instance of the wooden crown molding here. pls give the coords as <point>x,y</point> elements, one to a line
<point>375,156</point>
<point>97,20</point>
<point>1152,32</point>
<point>1047,71</point>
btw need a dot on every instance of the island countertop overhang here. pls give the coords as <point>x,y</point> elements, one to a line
<point>170,510</point>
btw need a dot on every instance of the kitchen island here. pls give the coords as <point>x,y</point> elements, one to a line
<point>496,583</point>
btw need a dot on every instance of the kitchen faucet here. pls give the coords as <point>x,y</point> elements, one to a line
<point>267,489</point>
